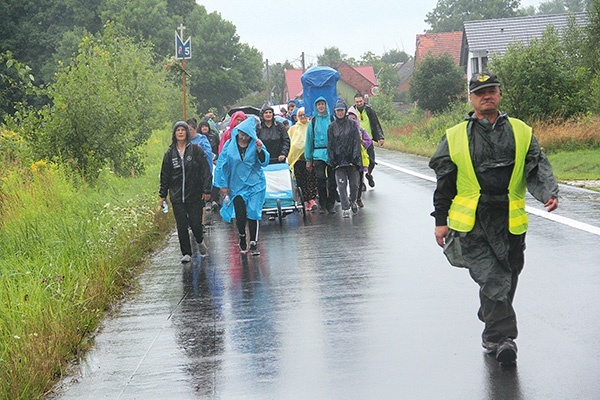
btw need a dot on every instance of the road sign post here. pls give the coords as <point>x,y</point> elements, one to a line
<point>183,51</point>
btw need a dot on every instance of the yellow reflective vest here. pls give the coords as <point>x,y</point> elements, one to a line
<point>461,216</point>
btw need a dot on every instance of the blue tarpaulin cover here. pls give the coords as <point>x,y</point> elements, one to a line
<point>319,81</point>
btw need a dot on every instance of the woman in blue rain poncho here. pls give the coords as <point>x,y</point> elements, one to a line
<point>240,176</point>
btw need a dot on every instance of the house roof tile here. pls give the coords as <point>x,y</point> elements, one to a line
<point>437,44</point>
<point>495,35</point>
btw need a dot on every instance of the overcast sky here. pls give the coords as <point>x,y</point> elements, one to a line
<point>282,30</point>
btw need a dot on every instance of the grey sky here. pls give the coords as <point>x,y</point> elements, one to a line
<point>283,30</point>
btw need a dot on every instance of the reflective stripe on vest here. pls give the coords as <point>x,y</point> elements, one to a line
<point>461,216</point>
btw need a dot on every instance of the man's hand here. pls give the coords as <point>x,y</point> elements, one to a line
<point>206,197</point>
<point>381,142</point>
<point>281,159</point>
<point>259,145</point>
<point>440,234</point>
<point>309,166</point>
<point>551,204</point>
<point>223,192</point>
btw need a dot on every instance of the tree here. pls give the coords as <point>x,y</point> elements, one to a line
<point>449,15</point>
<point>331,57</point>
<point>542,80</point>
<point>437,83</point>
<point>222,70</point>
<point>105,104</point>
<point>562,6</point>
<point>277,80</point>
<point>16,81</point>
<point>395,56</point>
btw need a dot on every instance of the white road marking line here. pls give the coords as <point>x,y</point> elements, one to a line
<point>540,213</point>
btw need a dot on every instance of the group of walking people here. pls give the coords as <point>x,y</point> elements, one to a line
<point>327,155</point>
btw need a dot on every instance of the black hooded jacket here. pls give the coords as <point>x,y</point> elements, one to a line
<point>343,143</point>
<point>184,179</point>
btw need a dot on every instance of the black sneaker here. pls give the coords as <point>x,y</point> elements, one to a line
<point>506,353</point>
<point>370,179</point>
<point>243,245</point>
<point>254,249</point>
<point>354,207</point>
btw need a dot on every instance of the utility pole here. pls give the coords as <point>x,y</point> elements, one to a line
<point>268,82</point>
<point>303,64</point>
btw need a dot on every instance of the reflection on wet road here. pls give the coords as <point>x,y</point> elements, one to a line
<point>359,308</point>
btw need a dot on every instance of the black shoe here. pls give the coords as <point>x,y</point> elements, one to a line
<point>243,245</point>
<point>506,353</point>
<point>363,187</point>
<point>254,249</point>
<point>354,207</point>
<point>331,210</point>
<point>370,179</point>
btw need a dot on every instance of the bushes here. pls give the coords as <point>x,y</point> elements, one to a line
<point>543,80</point>
<point>105,104</point>
<point>437,83</point>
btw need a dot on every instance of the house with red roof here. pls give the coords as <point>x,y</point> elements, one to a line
<point>437,44</point>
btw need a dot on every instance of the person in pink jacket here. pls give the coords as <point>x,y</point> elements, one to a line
<point>236,118</point>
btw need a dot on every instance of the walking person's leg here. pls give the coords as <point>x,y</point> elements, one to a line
<point>331,189</point>
<point>353,177</point>
<point>240,221</point>
<point>341,177</point>
<point>369,174</point>
<point>194,212</point>
<point>183,234</point>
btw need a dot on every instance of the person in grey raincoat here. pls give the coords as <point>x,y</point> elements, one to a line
<point>343,153</point>
<point>483,167</point>
<point>240,176</point>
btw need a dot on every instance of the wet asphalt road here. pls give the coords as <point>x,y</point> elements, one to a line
<point>359,308</point>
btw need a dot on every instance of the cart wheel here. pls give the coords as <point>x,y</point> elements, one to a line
<point>279,212</point>
<point>300,197</point>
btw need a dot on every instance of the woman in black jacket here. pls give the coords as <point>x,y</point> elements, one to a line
<point>186,178</point>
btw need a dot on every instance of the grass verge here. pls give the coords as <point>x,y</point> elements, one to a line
<point>68,252</point>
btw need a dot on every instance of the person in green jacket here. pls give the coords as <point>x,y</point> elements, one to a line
<point>483,167</point>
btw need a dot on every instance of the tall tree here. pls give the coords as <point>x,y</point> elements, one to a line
<point>32,29</point>
<point>221,69</point>
<point>449,15</point>
<point>562,6</point>
<point>331,57</point>
<point>395,56</point>
<point>437,82</point>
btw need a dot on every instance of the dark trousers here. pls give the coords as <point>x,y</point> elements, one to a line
<point>371,153</point>
<point>188,214</point>
<point>499,315</point>
<point>306,181</point>
<point>241,219</point>
<point>326,184</point>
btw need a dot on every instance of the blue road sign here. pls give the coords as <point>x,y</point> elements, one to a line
<point>183,49</point>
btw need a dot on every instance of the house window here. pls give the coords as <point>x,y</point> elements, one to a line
<point>474,65</point>
<point>484,63</point>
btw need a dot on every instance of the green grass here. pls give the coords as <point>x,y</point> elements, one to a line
<point>68,252</point>
<point>576,165</point>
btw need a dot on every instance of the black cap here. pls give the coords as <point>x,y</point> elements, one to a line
<point>482,80</point>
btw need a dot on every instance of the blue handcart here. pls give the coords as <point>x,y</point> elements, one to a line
<point>283,195</point>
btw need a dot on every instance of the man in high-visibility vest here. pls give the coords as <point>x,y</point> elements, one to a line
<point>483,167</point>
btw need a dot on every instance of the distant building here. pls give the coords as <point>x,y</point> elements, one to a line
<point>485,38</point>
<point>437,44</point>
